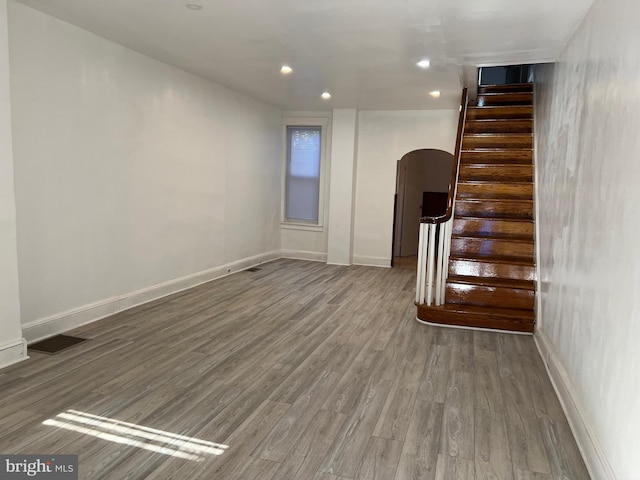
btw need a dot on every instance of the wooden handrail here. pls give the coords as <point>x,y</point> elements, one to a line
<point>453,183</point>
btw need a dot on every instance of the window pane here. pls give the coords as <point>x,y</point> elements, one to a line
<point>303,173</point>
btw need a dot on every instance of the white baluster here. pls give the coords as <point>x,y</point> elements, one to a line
<point>421,266</point>
<point>442,230</point>
<point>431,263</point>
<point>445,259</point>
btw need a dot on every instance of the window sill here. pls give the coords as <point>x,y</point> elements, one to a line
<point>301,226</point>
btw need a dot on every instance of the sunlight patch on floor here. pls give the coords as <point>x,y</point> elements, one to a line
<point>126,433</point>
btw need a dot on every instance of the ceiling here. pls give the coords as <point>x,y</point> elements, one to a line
<point>362,51</point>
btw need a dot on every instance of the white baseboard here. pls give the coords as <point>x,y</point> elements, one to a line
<point>304,255</point>
<point>371,261</point>
<point>580,424</point>
<point>64,321</point>
<point>13,352</point>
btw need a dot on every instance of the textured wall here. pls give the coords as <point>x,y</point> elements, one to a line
<point>588,164</point>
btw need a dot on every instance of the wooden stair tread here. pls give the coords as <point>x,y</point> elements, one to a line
<point>504,98</point>
<point>508,87</point>
<point>499,125</point>
<point>493,219</point>
<point>511,156</point>
<point>490,108</point>
<point>495,200</point>
<point>495,151</point>
<point>493,282</point>
<point>478,190</point>
<point>496,172</point>
<point>480,317</point>
<point>494,208</point>
<point>500,121</point>
<point>492,259</point>
<point>496,236</point>
<point>492,311</point>
<point>499,135</point>
<point>496,165</point>
<point>500,111</point>
<point>497,140</point>
<point>475,236</point>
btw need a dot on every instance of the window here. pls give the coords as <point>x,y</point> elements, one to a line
<point>303,169</point>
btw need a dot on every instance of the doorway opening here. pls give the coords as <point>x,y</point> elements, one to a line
<point>422,186</point>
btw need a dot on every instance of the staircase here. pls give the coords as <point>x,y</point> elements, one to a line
<point>491,269</point>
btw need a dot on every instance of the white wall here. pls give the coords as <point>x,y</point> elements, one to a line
<point>130,174</point>
<point>383,138</point>
<point>588,147</point>
<point>344,139</point>
<point>11,344</point>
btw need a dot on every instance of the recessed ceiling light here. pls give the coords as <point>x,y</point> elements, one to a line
<point>435,93</point>
<point>424,63</point>
<point>193,6</point>
<point>326,95</point>
<point>286,69</point>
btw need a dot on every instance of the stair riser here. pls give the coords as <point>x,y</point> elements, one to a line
<point>483,296</point>
<point>500,126</point>
<point>514,140</point>
<point>487,113</point>
<point>504,98</point>
<point>466,319</point>
<point>492,227</point>
<point>524,157</point>
<point>496,172</point>
<point>513,87</point>
<point>522,191</point>
<point>471,268</point>
<point>504,209</point>
<point>477,246</point>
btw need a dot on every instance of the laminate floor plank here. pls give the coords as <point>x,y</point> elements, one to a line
<point>299,370</point>
<point>525,439</point>
<point>492,456</point>
<point>351,442</point>
<point>486,382</point>
<point>454,468</point>
<point>307,454</point>
<point>284,435</point>
<point>527,475</point>
<point>240,445</point>
<point>396,413</point>
<point>462,352</point>
<point>483,340</point>
<point>354,383</point>
<point>433,385</point>
<point>457,438</point>
<point>563,454</point>
<point>380,461</point>
<point>420,451</point>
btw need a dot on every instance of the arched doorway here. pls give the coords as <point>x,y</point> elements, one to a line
<point>422,185</point>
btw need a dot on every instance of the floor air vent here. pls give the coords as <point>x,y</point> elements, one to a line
<point>252,269</point>
<point>56,344</point>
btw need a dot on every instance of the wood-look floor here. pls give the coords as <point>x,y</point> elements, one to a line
<point>298,371</point>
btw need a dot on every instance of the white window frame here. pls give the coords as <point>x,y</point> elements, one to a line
<point>308,121</point>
